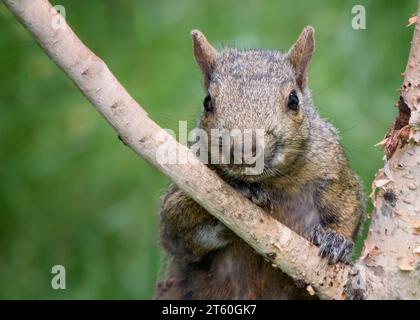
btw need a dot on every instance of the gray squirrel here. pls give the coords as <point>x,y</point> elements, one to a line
<point>306,183</point>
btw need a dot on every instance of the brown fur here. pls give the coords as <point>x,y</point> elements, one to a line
<point>311,185</point>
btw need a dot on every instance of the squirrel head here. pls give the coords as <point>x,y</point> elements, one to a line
<point>262,90</point>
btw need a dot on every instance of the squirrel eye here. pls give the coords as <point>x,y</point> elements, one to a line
<point>293,102</point>
<point>208,104</point>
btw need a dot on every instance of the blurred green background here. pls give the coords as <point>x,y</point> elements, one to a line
<point>72,194</point>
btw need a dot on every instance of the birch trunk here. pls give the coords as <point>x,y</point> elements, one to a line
<point>392,249</point>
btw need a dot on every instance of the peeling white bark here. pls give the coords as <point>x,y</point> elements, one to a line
<point>392,249</point>
<point>284,248</point>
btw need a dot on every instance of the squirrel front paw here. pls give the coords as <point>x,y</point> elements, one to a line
<point>332,245</point>
<point>253,192</point>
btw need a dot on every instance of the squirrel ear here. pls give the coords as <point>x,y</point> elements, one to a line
<point>204,54</point>
<point>300,54</point>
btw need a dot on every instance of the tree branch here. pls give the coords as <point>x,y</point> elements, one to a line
<point>282,247</point>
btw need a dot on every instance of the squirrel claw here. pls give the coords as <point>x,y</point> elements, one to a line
<point>259,196</point>
<point>253,192</point>
<point>332,245</point>
<point>243,188</point>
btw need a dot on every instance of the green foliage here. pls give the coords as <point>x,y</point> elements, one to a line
<point>72,194</point>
